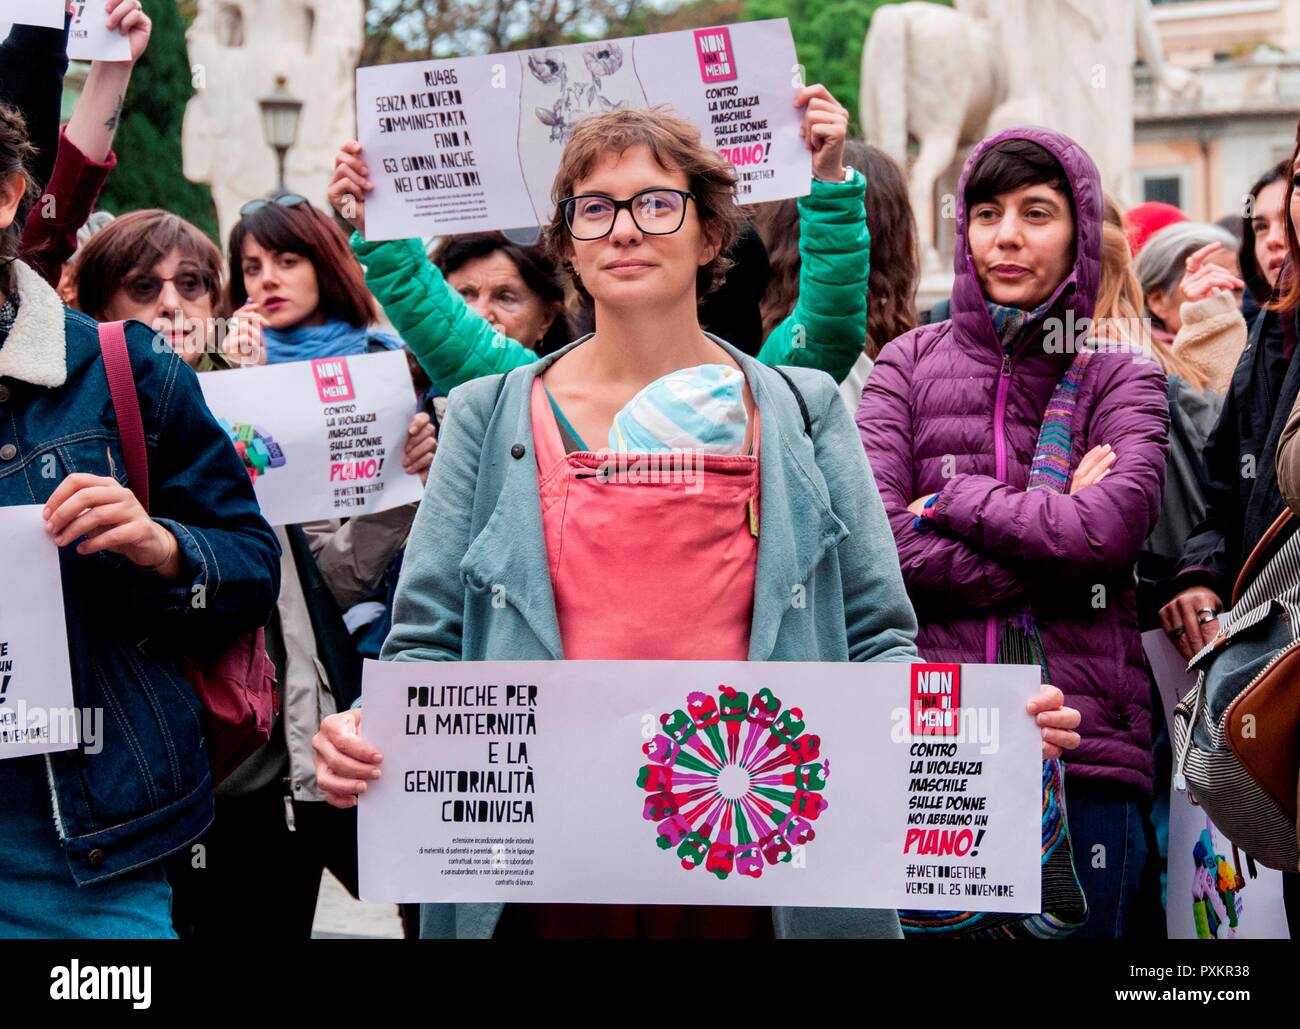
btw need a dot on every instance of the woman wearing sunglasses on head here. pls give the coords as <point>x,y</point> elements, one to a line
<point>514,511</point>
<point>295,288</point>
<point>824,330</point>
<point>300,295</point>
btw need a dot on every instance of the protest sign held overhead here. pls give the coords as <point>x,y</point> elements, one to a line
<point>472,144</point>
<point>90,38</point>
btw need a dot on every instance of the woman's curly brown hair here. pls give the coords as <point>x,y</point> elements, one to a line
<point>675,144</point>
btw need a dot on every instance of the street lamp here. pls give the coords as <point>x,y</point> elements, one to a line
<point>280,113</point>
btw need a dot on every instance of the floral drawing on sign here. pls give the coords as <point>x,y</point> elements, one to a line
<point>578,98</point>
<point>734,783</point>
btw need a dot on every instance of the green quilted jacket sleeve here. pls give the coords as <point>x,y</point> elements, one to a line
<point>451,342</point>
<point>828,327</point>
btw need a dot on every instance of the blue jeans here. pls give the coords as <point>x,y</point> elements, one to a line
<point>39,898</point>
<point>1107,831</point>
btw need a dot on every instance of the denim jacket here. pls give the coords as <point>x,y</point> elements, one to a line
<point>147,791</point>
<point>478,536</point>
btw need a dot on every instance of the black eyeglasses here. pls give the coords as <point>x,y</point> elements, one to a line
<point>145,289</point>
<point>284,200</point>
<point>656,212</point>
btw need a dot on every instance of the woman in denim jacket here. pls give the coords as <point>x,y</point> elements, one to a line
<point>86,828</point>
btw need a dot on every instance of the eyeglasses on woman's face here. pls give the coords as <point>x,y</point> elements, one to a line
<point>145,289</point>
<point>656,212</point>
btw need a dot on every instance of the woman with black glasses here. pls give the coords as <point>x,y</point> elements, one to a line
<point>529,502</point>
<point>824,329</point>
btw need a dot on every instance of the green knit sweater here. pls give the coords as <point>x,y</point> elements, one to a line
<point>827,328</point>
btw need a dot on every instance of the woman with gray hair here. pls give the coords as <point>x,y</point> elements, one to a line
<point>1191,285</point>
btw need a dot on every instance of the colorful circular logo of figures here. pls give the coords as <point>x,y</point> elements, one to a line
<point>255,446</point>
<point>734,783</point>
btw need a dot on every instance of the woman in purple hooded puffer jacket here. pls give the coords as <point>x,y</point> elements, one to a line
<point>951,419</point>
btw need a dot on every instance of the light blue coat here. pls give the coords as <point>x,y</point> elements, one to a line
<point>478,536</point>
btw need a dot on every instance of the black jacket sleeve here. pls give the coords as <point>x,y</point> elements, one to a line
<point>33,62</point>
<point>1205,560</point>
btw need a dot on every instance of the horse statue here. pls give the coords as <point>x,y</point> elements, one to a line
<point>929,74</point>
<point>946,76</point>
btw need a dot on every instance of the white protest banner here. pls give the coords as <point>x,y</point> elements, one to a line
<point>1199,902</point>
<point>45,13</point>
<point>320,438</point>
<point>90,38</point>
<point>36,704</point>
<point>471,144</point>
<point>703,782</point>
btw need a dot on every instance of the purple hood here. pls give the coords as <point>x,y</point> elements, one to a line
<point>943,413</point>
<point>1078,293</point>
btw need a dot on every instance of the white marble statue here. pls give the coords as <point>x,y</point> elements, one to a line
<point>237,50</point>
<point>929,74</point>
<point>1069,64</point>
<point>945,77</point>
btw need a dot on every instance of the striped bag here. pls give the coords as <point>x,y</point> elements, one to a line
<point>1237,731</point>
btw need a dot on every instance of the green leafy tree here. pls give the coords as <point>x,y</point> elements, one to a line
<point>148,142</point>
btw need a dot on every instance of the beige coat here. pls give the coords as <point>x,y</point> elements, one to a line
<point>1288,460</point>
<point>1212,338</point>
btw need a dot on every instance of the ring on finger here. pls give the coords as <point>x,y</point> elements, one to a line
<point>1177,632</point>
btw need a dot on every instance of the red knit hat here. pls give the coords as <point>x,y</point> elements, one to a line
<point>1145,220</point>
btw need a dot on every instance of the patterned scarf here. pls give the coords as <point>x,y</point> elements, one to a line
<point>8,315</point>
<point>1020,643</point>
<point>1010,322</point>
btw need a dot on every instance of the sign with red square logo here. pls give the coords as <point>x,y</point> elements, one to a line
<point>333,383</point>
<point>936,700</point>
<point>717,59</point>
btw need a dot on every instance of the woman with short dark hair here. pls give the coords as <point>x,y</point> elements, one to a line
<point>294,287</point>
<point>1021,471</point>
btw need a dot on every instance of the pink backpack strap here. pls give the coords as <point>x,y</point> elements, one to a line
<point>126,404</point>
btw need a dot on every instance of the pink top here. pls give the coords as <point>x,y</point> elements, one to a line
<point>653,560</point>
